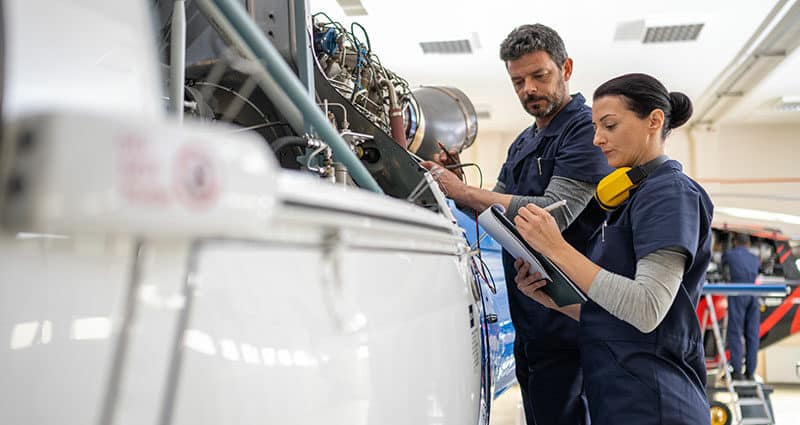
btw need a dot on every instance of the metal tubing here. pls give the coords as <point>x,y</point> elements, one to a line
<point>265,81</point>
<point>723,360</point>
<point>283,75</point>
<point>395,115</point>
<point>177,58</point>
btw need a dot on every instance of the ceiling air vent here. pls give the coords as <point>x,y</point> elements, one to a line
<point>483,111</point>
<point>656,32</point>
<point>672,33</point>
<point>352,7</point>
<point>788,104</point>
<point>449,47</point>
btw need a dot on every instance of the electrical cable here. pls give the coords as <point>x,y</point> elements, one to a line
<point>490,283</point>
<point>241,98</point>
<point>467,164</point>
<point>483,270</point>
<point>360,71</point>
<point>352,31</point>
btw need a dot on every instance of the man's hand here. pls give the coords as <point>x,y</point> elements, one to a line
<point>445,159</point>
<point>450,184</point>
<point>532,284</point>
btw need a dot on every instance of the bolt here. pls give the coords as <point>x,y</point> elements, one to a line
<point>14,186</point>
<point>25,141</point>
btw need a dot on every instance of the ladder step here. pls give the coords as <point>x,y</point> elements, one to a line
<point>745,384</point>
<point>751,401</point>
<point>756,421</point>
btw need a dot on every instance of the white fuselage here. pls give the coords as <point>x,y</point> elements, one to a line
<point>325,305</point>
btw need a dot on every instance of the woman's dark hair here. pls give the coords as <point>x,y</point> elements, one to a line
<point>643,93</point>
<point>531,38</point>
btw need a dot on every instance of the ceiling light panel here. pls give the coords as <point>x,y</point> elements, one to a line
<point>447,47</point>
<point>787,104</point>
<point>352,7</point>
<point>788,107</point>
<point>672,33</point>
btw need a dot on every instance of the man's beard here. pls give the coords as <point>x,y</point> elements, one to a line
<point>550,106</point>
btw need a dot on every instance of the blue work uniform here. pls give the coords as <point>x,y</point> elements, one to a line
<point>658,377</point>
<point>545,348</point>
<point>743,311</point>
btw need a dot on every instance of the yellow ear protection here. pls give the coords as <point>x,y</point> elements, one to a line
<point>615,188</point>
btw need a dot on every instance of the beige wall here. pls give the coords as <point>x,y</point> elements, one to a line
<point>735,164</point>
<point>725,152</point>
<point>740,151</point>
<point>489,152</point>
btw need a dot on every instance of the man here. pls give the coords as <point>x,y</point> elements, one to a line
<point>551,160</point>
<point>741,266</point>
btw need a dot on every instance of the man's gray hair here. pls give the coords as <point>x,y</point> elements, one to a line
<point>531,38</point>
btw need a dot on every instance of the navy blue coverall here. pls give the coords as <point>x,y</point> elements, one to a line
<point>545,348</point>
<point>743,310</point>
<point>658,377</point>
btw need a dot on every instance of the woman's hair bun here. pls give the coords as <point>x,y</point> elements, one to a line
<point>681,109</point>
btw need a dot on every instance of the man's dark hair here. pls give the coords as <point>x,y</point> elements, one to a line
<point>643,93</point>
<point>742,239</point>
<point>532,38</point>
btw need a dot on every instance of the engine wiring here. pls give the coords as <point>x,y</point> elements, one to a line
<point>350,66</point>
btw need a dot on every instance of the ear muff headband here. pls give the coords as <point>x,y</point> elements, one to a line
<point>615,188</point>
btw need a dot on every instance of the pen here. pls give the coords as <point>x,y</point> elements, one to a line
<point>554,205</point>
<point>446,152</point>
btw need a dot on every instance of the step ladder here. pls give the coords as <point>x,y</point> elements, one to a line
<point>753,403</point>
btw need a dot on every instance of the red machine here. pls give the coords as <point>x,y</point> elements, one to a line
<point>779,288</point>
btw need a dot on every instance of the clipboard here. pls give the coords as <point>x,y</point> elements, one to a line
<point>559,286</point>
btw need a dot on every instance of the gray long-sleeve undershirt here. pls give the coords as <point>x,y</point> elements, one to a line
<point>644,301</point>
<point>577,194</point>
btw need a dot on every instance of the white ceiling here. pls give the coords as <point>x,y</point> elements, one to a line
<point>758,105</point>
<point>588,29</point>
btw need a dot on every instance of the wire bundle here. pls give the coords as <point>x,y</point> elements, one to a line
<point>350,65</point>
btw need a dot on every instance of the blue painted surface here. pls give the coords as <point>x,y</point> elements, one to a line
<point>501,333</point>
<point>744,289</point>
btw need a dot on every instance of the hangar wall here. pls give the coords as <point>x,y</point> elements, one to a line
<point>748,166</point>
<point>723,158</point>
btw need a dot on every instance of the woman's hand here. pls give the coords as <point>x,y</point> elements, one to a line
<point>532,284</point>
<point>539,229</point>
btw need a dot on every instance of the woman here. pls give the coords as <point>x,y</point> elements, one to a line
<point>640,342</point>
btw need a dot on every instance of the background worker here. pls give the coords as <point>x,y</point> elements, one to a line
<point>640,342</point>
<point>744,316</point>
<point>551,160</point>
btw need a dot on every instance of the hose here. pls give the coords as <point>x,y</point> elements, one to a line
<point>286,141</point>
<point>395,115</point>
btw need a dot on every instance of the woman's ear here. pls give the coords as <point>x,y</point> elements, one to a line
<point>656,120</point>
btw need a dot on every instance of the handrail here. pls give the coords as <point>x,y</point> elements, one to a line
<point>283,75</point>
<point>745,289</point>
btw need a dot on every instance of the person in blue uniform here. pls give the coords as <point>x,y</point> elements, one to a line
<point>744,315</point>
<point>551,160</point>
<point>640,342</point>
